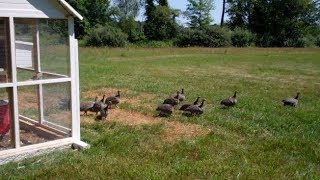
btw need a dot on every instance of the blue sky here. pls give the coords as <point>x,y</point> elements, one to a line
<point>182,5</point>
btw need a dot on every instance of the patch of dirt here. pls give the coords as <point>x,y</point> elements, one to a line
<point>26,138</point>
<point>173,131</point>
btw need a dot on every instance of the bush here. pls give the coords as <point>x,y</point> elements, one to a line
<point>241,37</point>
<point>218,37</point>
<point>209,37</point>
<point>317,41</point>
<point>106,36</point>
<point>307,41</point>
<point>152,44</point>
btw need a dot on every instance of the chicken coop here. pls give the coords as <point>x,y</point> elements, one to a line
<point>39,78</point>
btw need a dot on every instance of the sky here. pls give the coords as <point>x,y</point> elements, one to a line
<point>182,5</point>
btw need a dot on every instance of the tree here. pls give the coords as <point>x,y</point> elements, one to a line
<point>198,13</point>
<point>126,8</point>
<point>239,12</point>
<point>163,3</point>
<point>161,26</point>
<point>279,22</point>
<point>223,11</point>
<point>129,26</point>
<point>160,21</point>
<point>149,7</point>
<point>94,12</point>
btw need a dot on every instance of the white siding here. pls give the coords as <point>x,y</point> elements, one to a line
<point>32,9</point>
<point>24,54</point>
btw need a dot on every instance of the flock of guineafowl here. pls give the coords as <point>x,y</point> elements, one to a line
<point>168,106</point>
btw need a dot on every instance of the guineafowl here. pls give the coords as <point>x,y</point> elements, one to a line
<point>185,106</point>
<point>291,101</point>
<point>115,100</point>
<point>194,109</point>
<point>172,100</point>
<point>231,101</point>
<point>102,100</point>
<point>104,111</point>
<point>87,106</point>
<point>97,105</point>
<point>181,95</point>
<point>165,110</point>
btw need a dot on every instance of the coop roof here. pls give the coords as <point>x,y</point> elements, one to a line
<point>70,9</point>
<point>59,9</point>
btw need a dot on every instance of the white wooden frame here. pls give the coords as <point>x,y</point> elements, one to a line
<point>73,79</point>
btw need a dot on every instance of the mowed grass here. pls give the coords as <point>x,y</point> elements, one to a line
<point>257,139</point>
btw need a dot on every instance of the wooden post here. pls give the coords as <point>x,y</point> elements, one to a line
<point>15,134</point>
<point>37,68</point>
<point>74,94</point>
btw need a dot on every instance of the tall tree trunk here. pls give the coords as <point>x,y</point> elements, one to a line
<point>223,10</point>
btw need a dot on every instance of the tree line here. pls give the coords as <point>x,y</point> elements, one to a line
<point>264,23</point>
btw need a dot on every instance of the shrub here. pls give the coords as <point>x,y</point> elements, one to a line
<point>106,36</point>
<point>317,41</point>
<point>218,37</point>
<point>241,37</point>
<point>152,44</point>
<point>209,37</point>
<point>307,41</point>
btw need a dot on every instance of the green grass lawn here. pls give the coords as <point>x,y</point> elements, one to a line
<point>258,138</point>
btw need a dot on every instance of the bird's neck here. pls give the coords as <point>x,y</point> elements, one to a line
<point>297,96</point>
<point>201,105</point>
<point>102,98</point>
<point>235,94</point>
<point>196,102</point>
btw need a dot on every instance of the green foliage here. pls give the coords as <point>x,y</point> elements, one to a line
<point>198,13</point>
<point>106,36</point>
<point>278,22</point>
<point>94,12</point>
<point>127,8</point>
<point>208,37</point>
<point>163,3</point>
<point>160,24</point>
<point>152,44</point>
<point>241,37</point>
<point>132,28</point>
<point>239,12</point>
<point>317,41</point>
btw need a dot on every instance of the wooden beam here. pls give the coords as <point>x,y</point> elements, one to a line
<point>37,67</point>
<point>40,130</point>
<point>74,106</point>
<point>14,109</point>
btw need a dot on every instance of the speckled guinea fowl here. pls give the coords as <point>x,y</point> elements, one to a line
<point>87,106</point>
<point>181,95</point>
<point>231,101</point>
<point>165,110</point>
<point>115,100</point>
<point>104,111</point>
<point>97,105</point>
<point>194,109</point>
<point>172,100</point>
<point>291,101</point>
<point>185,106</point>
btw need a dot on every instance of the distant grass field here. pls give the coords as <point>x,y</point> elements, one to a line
<point>257,139</point>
